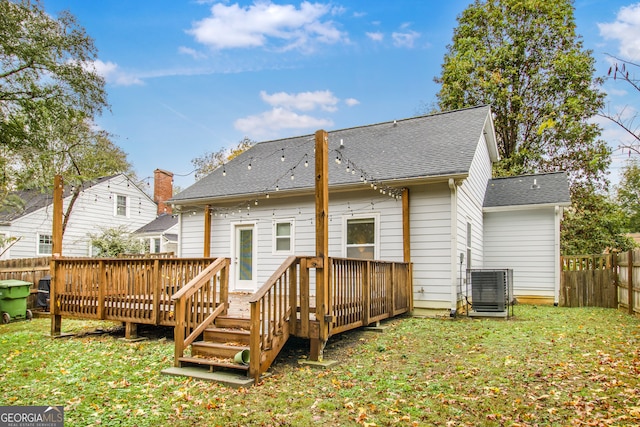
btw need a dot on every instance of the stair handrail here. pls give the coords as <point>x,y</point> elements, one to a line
<point>198,297</point>
<point>278,297</point>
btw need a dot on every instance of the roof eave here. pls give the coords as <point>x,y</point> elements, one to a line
<point>509,208</point>
<point>306,191</point>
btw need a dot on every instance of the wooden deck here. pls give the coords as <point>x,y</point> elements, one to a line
<point>212,324</point>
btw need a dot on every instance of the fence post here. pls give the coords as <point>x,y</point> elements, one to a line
<point>366,287</point>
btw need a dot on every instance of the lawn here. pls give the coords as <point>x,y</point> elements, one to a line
<point>545,366</point>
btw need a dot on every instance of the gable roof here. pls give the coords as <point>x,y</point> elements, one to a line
<point>438,145</point>
<point>35,199</point>
<point>159,225</point>
<point>550,189</point>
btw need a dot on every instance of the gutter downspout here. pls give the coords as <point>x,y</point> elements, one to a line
<point>556,248</point>
<point>454,245</point>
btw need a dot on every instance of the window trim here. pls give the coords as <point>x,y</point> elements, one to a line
<point>292,228</point>
<point>376,230</point>
<point>126,208</point>
<point>38,236</point>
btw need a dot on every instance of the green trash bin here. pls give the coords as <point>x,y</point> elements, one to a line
<point>13,300</point>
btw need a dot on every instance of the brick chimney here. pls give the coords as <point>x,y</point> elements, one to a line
<point>162,190</point>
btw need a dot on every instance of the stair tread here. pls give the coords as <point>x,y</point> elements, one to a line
<point>221,363</point>
<point>237,345</point>
<point>239,331</point>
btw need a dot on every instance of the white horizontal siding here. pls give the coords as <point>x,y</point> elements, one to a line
<point>92,212</point>
<point>430,217</point>
<point>302,211</point>
<point>523,240</point>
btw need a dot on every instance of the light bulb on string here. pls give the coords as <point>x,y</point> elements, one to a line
<point>282,158</point>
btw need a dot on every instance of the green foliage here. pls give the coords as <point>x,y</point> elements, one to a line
<point>46,67</point>
<point>628,196</point>
<point>210,161</point>
<point>593,226</point>
<point>525,60</point>
<point>114,241</point>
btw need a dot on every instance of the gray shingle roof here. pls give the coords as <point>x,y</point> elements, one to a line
<point>161,224</point>
<point>429,146</point>
<point>34,199</point>
<point>539,189</point>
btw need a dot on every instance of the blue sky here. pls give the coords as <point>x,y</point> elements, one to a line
<point>185,77</point>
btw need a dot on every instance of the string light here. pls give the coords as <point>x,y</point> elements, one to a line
<point>282,158</point>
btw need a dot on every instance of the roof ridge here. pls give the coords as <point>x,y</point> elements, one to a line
<point>386,122</point>
<point>527,175</point>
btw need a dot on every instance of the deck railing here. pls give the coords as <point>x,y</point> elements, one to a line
<point>198,303</point>
<point>362,292</point>
<point>272,309</point>
<point>128,290</point>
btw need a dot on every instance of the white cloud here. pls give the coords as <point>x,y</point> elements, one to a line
<point>376,37</point>
<point>264,22</point>
<point>405,39</point>
<point>191,52</point>
<point>277,119</point>
<point>351,102</point>
<point>303,101</point>
<point>626,30</point>
<point>113,74</point>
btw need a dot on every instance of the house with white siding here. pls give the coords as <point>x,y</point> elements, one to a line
<point>405,190</point>
<point>104,203</point>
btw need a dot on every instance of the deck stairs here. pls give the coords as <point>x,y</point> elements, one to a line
<point>219,345</point>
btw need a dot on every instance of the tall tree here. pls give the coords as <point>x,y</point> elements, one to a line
<point>523,58</point>
<point>210,161</point>
<point>76,151</point>
<point>628,196</point>
<point>46,67</point>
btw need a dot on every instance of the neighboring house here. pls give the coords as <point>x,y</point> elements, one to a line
<point>160,235</point>
<point>104,203</point>
<point>438,167</point>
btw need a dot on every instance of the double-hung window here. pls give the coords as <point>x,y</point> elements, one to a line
<point>283,236</point>
<point>121,205</point>
<point>45,244</point>
<point>361,238</point>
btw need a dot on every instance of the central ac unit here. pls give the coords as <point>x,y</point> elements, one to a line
<point>491,290</point>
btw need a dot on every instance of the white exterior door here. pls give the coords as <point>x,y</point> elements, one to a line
<point>244,258</point>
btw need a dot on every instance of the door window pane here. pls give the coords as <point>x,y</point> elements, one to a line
<point>246,255</point>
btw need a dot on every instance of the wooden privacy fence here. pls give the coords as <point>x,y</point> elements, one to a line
<point>629,281</point>
<point>608,280</point>
<point>588,281</point>
<point>27,269</point>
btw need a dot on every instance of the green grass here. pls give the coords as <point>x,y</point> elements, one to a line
<point>546,366</point>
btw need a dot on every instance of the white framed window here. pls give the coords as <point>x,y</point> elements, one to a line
<point>45,244</point>
<point>155,245</point>
<point>283,232</point>
<point>361,237</point>
<point>121,205</point>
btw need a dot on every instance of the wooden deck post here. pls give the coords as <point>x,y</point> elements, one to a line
<point>406,226</point>
<point>207,231</point>
<point>322,243</point>
<point>56,250</point>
